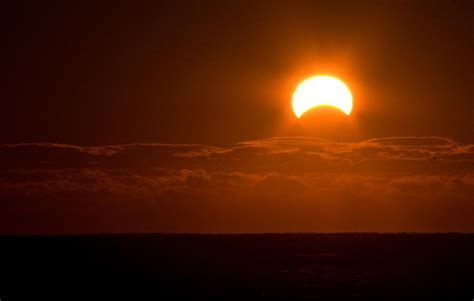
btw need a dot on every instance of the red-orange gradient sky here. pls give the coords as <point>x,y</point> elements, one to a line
<point>176,116</point>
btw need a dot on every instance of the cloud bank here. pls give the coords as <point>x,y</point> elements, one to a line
<point>289,184</point>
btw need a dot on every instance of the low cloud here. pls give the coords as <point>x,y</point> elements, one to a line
<point>266,185</point>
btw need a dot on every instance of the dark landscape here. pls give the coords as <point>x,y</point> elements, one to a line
<point>242,266</point>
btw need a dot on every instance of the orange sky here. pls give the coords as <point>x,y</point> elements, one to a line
<point>176,117</point>
<point>213,73</point>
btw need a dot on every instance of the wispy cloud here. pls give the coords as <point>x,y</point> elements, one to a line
<point>277,184</point>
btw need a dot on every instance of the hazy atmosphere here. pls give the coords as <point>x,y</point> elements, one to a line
<point>177,117</point>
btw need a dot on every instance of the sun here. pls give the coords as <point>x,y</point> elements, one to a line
<point>322,90</point>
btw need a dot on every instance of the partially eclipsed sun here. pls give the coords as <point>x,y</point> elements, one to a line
<point>322,90</point>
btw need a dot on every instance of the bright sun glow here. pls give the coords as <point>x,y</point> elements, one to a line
<point>322,91</point>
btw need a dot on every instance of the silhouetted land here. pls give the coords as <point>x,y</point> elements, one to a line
<point>291,266</point>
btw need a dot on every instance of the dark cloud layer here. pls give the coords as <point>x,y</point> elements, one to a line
<point>277,184</point>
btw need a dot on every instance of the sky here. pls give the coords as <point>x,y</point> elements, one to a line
<point>175,116</point>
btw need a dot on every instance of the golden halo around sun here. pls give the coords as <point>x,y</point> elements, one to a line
<point>321,90</point>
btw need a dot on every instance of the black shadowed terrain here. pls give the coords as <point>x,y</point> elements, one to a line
<point>266,266</point>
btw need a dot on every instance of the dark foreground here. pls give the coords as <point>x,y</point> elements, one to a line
<point>265,266</point>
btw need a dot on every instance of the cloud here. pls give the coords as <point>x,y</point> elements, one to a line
<point>277,184</point>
